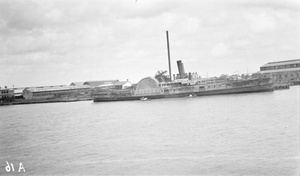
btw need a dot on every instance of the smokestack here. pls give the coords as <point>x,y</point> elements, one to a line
<point>180,69</point>
<point>169,55</point>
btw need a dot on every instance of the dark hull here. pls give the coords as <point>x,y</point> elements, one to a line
<point>238,90</point>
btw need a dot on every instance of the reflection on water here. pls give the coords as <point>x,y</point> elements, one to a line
<point>250,134</point>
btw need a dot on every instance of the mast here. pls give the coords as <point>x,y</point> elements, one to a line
<point>169,55</point>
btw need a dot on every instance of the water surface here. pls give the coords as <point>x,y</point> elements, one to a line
<point>242,134</point>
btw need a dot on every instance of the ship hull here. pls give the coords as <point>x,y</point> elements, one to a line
<point>237,90</point>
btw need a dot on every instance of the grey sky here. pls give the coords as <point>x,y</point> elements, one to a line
<point>61,41</point>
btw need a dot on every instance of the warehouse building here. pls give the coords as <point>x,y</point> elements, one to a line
<point>282,72</point>
<point>94,83</point>
<point>18,92</point>
<point>63,92</point>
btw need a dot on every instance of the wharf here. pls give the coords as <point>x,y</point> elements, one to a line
<point>23,101</point>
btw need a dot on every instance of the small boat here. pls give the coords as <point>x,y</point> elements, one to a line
<point>192,95</point>
<point>145,99</point>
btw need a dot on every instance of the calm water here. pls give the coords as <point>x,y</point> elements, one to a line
<point>245,134</point>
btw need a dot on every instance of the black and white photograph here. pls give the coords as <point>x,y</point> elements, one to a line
<point>150,87</point>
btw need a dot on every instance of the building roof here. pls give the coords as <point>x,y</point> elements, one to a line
<point>44,87</point>
<point>98,83</point>
<point>120,83</point>
<point>280,70</point>
<point>55,88</point>
<point>77,83</point>
<point>18,91</point>
<point>286,62</point>
<point>105,85</point>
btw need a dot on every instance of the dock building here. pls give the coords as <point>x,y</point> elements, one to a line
<point>287,71</point>
<point>63,92</point>
<point>18,92</point>
<point>76,90</point>
<point>6,94</point>
<point>94,83</point>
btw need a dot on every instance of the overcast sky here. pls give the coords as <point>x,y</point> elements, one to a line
<point>51,42</point>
